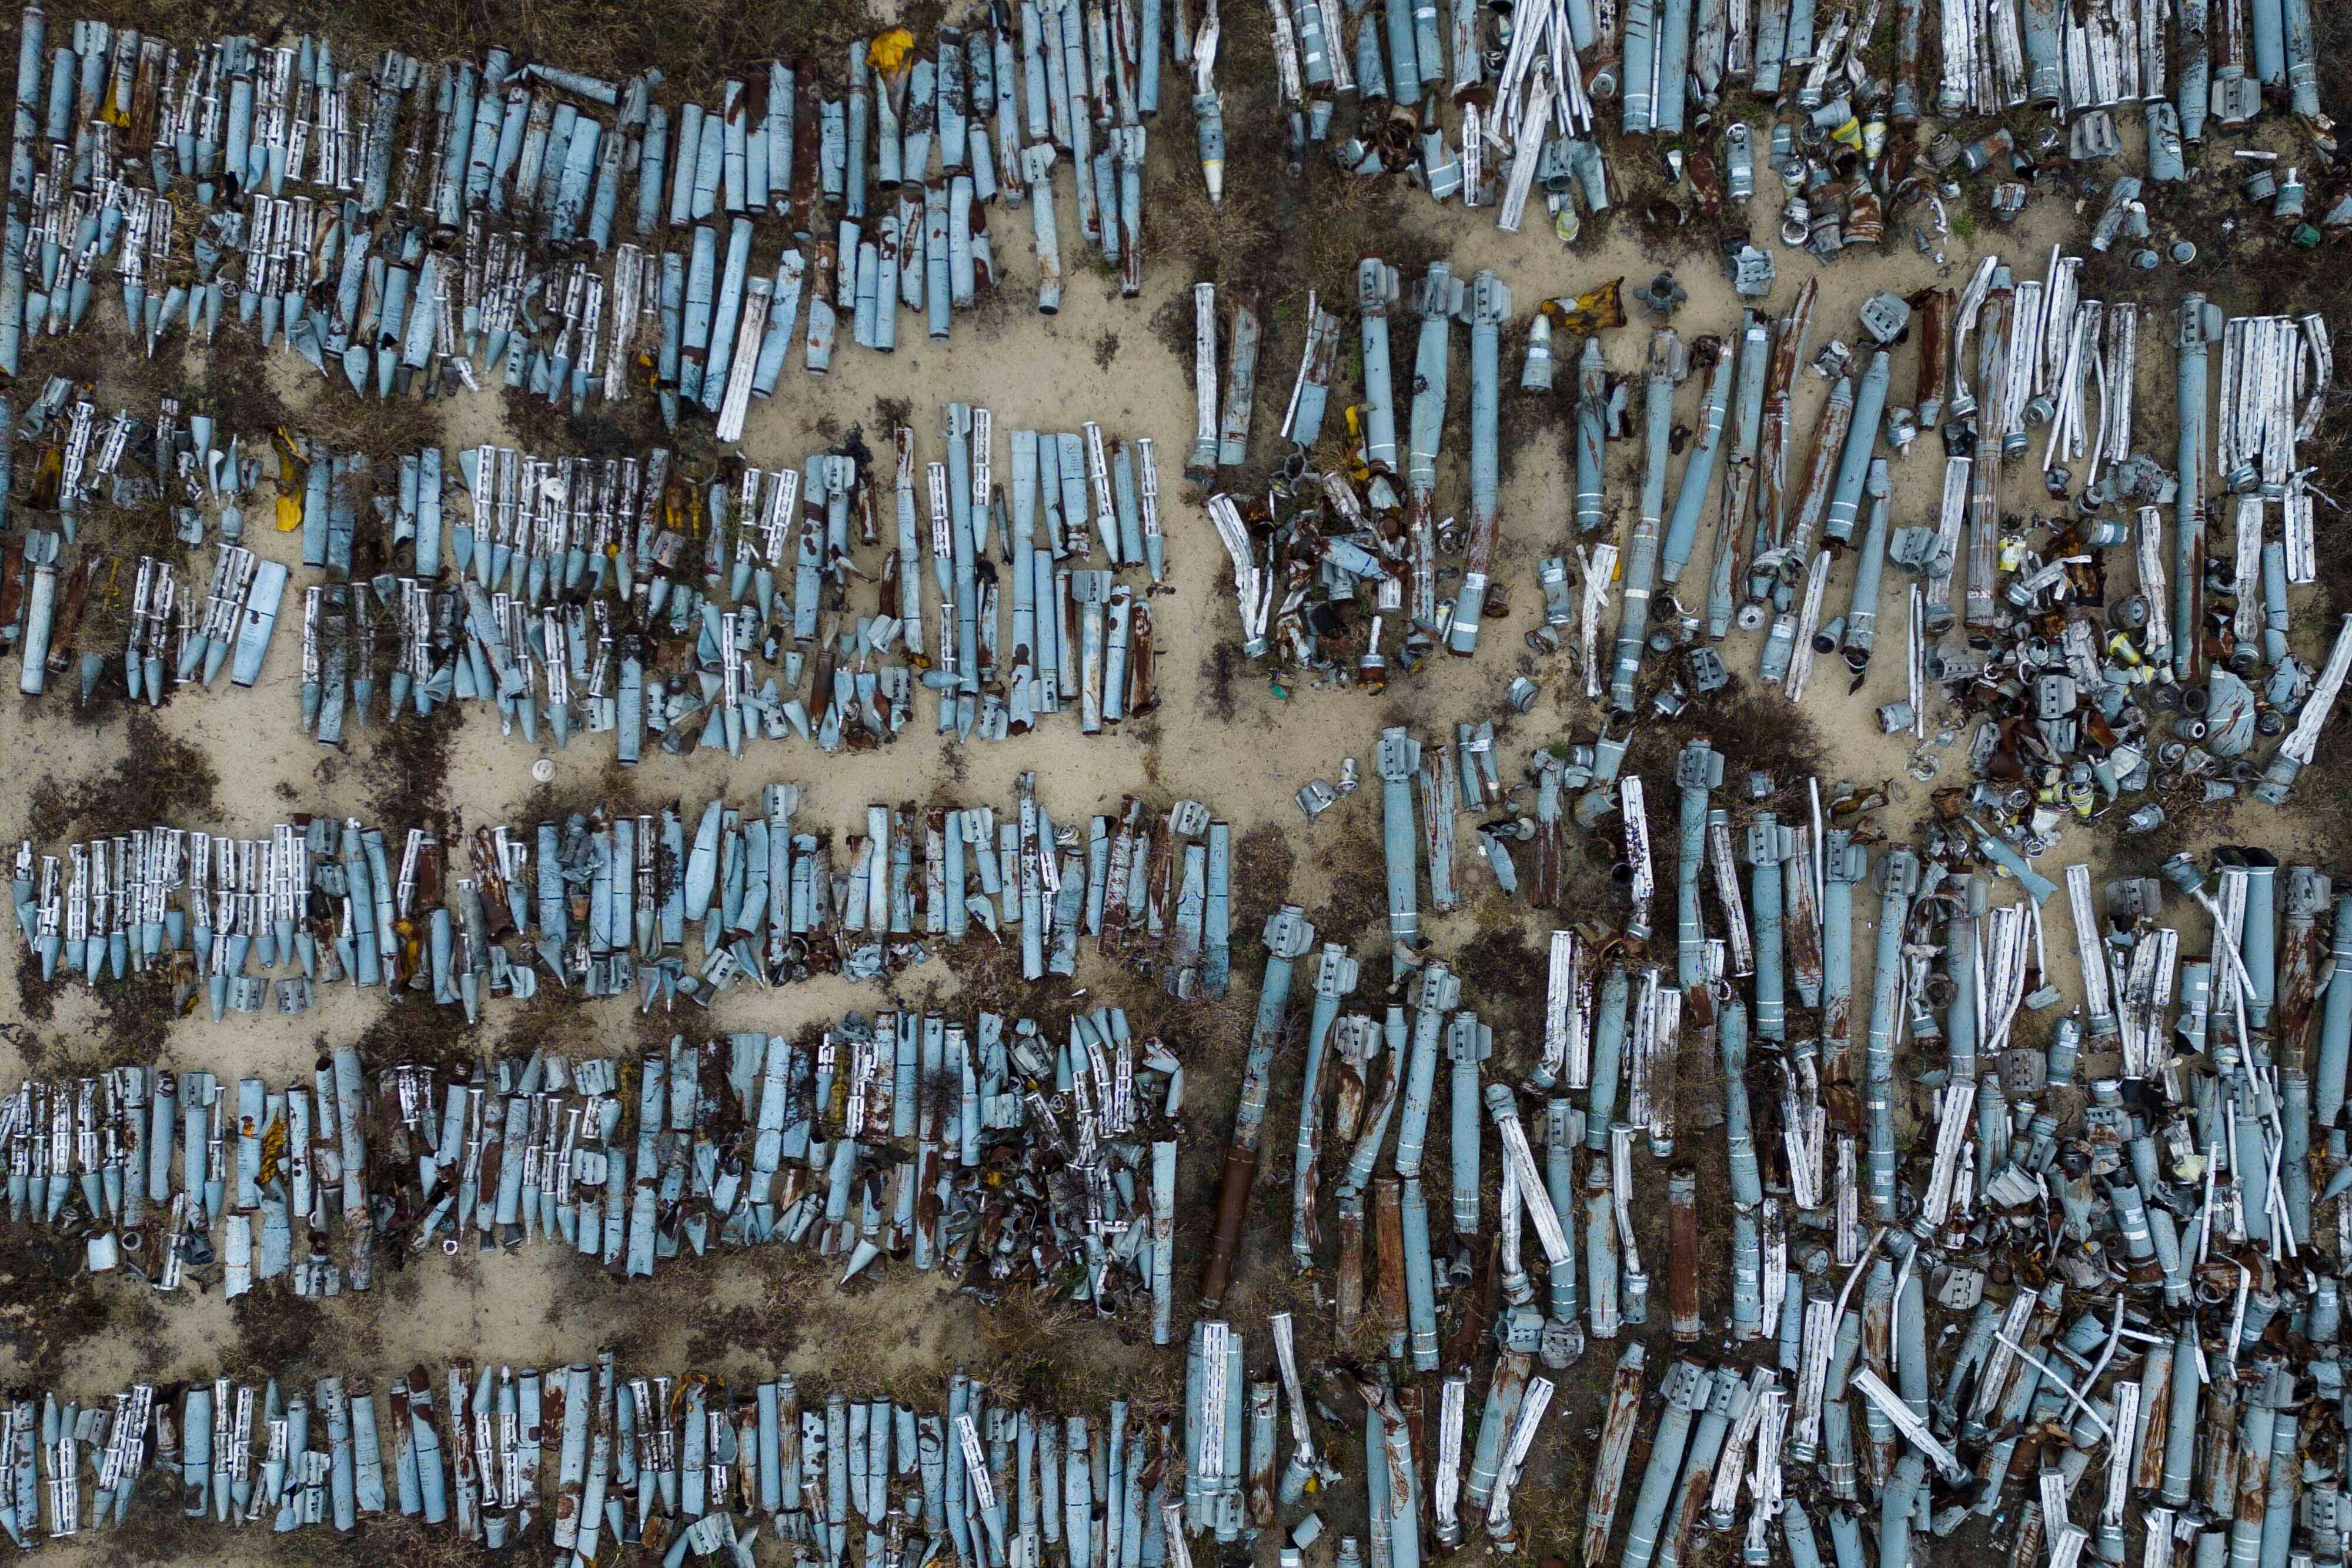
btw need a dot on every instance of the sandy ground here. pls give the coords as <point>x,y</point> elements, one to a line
<point>1099,358</point>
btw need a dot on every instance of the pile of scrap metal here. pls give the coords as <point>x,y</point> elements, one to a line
<point>625,902</point>
<point>599,1461</point>
<point>131,463</point>
<point>131,460</point>
<point>2188,672</point>
<point>1493,102</point>
<point>565,589</point>
<point>990,1150</point>
<point>1324,558</point>
<point>1449,778</point>
<point>2088,688</point>
<point>2069,1266</point>
<point>2123,1217</point>
<point>455,218</point>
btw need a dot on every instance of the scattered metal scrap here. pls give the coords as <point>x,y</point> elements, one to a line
<point>1321,551</point>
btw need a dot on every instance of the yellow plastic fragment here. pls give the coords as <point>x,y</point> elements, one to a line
<point>888,51</point>
<point>1582,314</point>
